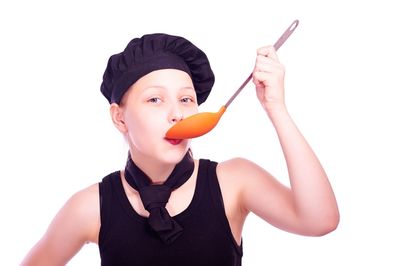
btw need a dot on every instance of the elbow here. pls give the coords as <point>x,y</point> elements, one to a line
<point>326,225</point>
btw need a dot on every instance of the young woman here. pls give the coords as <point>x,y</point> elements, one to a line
<point>167,208</point>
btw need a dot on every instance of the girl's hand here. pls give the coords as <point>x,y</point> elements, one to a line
<point>268,76</point>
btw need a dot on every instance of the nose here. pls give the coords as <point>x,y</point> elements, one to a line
<point>176,119</point>
<point>175,115</point>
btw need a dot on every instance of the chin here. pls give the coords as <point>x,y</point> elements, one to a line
<point>174,156</point>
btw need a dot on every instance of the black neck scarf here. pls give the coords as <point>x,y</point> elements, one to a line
<point>155,197</point>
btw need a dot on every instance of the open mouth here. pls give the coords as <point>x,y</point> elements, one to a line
<point>174,141</point>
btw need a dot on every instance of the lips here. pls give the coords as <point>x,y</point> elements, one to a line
<point>174,141</point>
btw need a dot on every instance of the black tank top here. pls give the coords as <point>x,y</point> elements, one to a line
<point>125,238</point>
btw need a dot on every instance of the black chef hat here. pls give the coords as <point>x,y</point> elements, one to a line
<point>154,52</point>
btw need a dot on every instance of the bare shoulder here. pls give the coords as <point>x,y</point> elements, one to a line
<point>236,163</point>
<point>249,175</point>
<point>249,182</point>
<point>86,197</point>
<point>227,172</point>
<point>237,169</point>
<point>77,223</point>
<point>234,176</point>
<point>85,206</point>
<point>81,215</point>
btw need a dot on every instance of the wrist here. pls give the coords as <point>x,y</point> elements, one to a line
<point>277,113</point>
<point>275,108</point>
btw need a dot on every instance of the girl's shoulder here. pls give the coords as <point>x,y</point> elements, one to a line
<point>232,174</point>
<point>236,167</point>
<point>83,200</point>
<point>241,174</point>
<point>84,205</point>
<point>87,198</point>
<point>90,192</point>
<point>76,223</point>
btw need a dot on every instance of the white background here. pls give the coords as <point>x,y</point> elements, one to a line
<point>342,89</point>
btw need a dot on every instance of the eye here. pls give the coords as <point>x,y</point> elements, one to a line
<point>154,100</point>
<point>187,100</point>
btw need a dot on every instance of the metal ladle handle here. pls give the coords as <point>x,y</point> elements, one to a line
<point>277,45</point>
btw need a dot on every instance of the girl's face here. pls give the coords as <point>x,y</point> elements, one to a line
<point>150,107</point>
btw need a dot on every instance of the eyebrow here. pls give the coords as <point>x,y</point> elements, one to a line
<point>165,88</point>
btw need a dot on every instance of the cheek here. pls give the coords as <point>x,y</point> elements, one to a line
<point>146,126</point>
<point>191,111</point>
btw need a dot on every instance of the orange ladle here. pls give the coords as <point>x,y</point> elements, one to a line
<point>201,123</point>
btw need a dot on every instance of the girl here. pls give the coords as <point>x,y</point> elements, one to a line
<point>167,208</point>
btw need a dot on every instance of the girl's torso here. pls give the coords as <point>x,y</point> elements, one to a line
<point>212,224</point>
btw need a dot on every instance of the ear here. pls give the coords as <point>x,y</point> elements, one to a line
<point>117,116</point>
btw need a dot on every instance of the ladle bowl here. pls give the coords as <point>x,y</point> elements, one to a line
<point>201,123</point>
<point>195,125</point>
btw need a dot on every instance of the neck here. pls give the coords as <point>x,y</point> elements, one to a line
<point>156,170</point>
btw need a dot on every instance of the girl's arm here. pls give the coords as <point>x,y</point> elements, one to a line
<point>309,206</point>
<point>75,224</point>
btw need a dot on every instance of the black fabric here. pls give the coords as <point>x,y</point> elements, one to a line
<point>154,52</point>
<point>155,197</point>
<point>126,239</point>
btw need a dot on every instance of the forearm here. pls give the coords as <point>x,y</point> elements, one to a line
<point>313,197</point>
